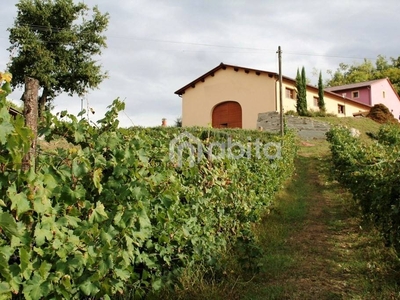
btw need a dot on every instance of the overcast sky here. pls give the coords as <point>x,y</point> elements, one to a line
<point>156,47</point>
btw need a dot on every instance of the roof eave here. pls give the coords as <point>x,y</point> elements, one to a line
<point>192,84</point>
<point>394,90</point>
<point>182,90</point>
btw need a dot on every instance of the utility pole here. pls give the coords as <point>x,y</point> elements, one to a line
<point>280,91</point>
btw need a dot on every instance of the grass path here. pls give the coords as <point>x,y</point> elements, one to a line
<point>316,244</point>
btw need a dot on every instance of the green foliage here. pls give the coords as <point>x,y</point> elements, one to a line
<point>301,87</point>
<point>113,215</point>
<point>388,135</point>
<point>291,113</point>
<point>310,113</point>
<point>318,113</point>
<point>371,174</point>
<point>55,42</point>
<point>346,74</point>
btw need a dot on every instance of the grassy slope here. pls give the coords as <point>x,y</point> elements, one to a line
<point>362,124</point>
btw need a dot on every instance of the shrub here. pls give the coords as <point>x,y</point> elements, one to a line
<point>291,113</point>
<point>381,114</point>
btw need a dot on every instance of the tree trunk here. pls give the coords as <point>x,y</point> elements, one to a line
<point>31,119</point>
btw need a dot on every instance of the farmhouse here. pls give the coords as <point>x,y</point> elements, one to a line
<point>233,96</point>
<point>373,92</point>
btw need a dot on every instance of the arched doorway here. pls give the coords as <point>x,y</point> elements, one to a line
<point>227,115</point>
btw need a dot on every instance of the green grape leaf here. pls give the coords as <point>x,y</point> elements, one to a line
<point>8,224</point>
<point>97,174</point>
<point>98,214</point>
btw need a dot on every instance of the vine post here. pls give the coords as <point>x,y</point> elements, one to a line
<point>31,95</point>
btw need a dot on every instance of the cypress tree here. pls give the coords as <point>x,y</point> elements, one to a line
<point>304,89</point>
<point>298,88</point>
<point>301,86</point>
<point>321,102</point>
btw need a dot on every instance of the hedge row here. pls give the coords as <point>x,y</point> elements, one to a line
<point>371,172</point>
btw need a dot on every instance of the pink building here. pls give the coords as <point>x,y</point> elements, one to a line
<point>371,93</point>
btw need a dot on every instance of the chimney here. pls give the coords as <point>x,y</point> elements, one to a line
<point>164,122</point>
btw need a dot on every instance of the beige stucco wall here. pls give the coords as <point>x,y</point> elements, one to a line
<point>288,103</point>
<point>255,93</point>
<point>331,102</point>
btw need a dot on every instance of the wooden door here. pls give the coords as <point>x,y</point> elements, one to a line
<point>227,115</point>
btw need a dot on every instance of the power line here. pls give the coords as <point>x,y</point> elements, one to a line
<point>332,56</point>
<point>236,47</point>
<point>56,29</point>
<point>190,43</point>
<point>249,49</point>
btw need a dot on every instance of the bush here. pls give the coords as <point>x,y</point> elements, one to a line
<point>291,113</point>
<point>310,113</point>
<point>316,113</point>
<point>381,114</point>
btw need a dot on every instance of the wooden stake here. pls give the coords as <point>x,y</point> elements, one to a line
<point>31,96</point>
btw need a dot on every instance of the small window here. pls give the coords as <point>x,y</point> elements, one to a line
<point>289,93</point>
<point>355,94</point>
<point>341,109</point>
<point>316,100</point>
<point>383,94</point>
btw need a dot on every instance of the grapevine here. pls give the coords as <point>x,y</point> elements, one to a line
<point>111,214</point>
<point>370,172</point>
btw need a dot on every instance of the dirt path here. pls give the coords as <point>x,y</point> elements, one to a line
<point>334,256</point>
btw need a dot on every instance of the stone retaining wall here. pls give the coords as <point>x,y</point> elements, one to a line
<point>306,128</point>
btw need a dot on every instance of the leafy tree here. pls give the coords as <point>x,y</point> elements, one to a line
<point>56,41</point>
<point>321,102</point>
<point>365,71</point>
<point>301,87</point>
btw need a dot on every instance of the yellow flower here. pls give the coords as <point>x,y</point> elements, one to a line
<point>6,76</point>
